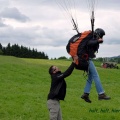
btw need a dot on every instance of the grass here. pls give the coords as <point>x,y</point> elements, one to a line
<point>25,83</point>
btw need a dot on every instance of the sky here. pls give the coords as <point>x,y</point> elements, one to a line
<point>45,25</point>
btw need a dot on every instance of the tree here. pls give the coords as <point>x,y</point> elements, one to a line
<point>1,52</point>
<point>1,46</point>
<point>8,49</point>
<point>62,57</point>
<point>100,59</point>
<point>21,51</point>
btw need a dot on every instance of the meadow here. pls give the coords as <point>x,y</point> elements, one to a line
<point>25,83</point>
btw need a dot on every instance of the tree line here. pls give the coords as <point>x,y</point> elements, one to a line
<point>100,59</point>
<point>21,51</point>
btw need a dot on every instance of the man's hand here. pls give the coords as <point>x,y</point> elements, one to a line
<point>100,40</point>
<point>75,58</point>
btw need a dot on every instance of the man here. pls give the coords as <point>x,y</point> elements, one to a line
<point>93,46</point>
<point>58,89</point>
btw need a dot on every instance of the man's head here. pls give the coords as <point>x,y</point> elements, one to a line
<point>53,69</point>
<point>99,33</point>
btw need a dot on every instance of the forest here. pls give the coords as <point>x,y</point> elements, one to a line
<point>21,51</point>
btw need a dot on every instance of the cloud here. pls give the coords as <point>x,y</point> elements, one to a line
<point>13,13</point>
<point>4,3</point>
<point>109,4</point>
<point>35,2</point>
<point>108,50</point>
<point>42,24</point>
<point>16,35</point>
<point>33,36</point>
<point>2,24</point>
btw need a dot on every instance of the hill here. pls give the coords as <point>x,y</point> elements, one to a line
<point>24,85</point>
<point>115,56</point>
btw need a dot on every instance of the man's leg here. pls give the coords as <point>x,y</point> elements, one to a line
<point>87,88</point>
<point>96,78</point>
<point>59,114</point>
<point>99,88</point>
<point>54,109</point>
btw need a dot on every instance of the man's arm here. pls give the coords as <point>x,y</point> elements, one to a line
<point>94,42</point>
<point>69,70</point>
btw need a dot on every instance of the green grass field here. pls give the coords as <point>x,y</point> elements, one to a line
<point>25,83</point>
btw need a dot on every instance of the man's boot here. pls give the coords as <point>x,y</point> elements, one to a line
<point>103,97</point>
<point>85,96</point>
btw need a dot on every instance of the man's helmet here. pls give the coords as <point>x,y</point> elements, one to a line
<point>99,32</point>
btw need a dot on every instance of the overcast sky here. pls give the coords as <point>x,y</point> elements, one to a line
<point>43,25</point>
